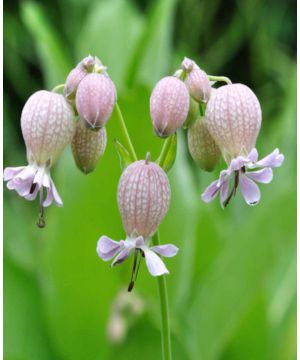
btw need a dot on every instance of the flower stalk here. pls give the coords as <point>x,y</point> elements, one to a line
<point>164,309</point>
<point>161,280</point>
<point>58,87</point>
<point>125,133</point>
<point>220,78</point>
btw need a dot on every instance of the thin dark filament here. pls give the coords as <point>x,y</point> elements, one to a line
<point>138,266</point>
<point>233,191</point>
<point>41,220</point>
<point>132,279</point>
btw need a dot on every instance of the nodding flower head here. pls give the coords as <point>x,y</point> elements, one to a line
<point>196,80</point>
<point>233,117</point>
<point>87,147</point>
<point>203,149</point>
<point>143,199</point>
<point>48,125</point>
<point>169,105</point>
<point>95,99</point>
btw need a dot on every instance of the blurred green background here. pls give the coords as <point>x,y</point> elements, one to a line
<point>232,287</point>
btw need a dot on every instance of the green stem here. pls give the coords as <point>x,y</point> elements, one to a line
<point>125,133</point>
<point>58,87</point>
<point>219,78</point>
<point>164,310</point>
<point>164,151</point>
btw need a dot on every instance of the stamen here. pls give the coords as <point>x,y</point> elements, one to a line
<point>32,188</point>
<point>233,191</point>
<point>131,284</point>
<point>41,221</point>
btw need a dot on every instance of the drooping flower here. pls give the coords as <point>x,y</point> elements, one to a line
<point>169,105</point>
<point>233,118</point>
<point>196,80</point>
<point>202,146</point>
<point>143,199</point>
<point>88,146</point>
<point>47,123</point>
<point>95,99</point>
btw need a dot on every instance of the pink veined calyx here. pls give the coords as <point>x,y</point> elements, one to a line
<point>143,200</point>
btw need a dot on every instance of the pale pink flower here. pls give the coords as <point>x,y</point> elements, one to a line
<point>143,199</point>
<point>95,99</point>
<point>169,105</point>
<point>233,118</point>
<point>48,125</point>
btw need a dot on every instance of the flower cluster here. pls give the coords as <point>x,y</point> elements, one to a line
<point>220,121</point>
<point>49,123</point>
<point>223,121</point>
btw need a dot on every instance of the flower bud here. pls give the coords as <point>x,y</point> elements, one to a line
<point>196,80</point>
<point>72,82</point>
<point>87,147</point>
<point>143,198</point>
<point>95,100</point>
<point>233,118</point>
<point>48,126</point>
<point>87,63</point>
<point>169,105</point>
<point>202,146</point>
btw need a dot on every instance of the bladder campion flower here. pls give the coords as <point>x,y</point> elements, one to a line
<point>87,147</point>
<point>95,99</point>
<point>169,105</point>
<point>196,80</point>
<point>233,118</point>
<point>47,123</point>
<point>143,199</point>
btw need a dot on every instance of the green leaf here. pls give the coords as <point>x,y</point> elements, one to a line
<point>50,48</point>
<point>124,155</point>
<point>25,335</point>
<point>152,57</point>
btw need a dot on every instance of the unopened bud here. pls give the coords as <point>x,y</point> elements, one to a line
<point>87,147</point>
<point>95,100</point>
<point>197,81</point>
<point>72,82</point>
<point>48,126</point>
<point>87,63</point>
<point>202,146</point>
<point>169,105</point>
<point>233,117</point>
<point>143,198</point>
